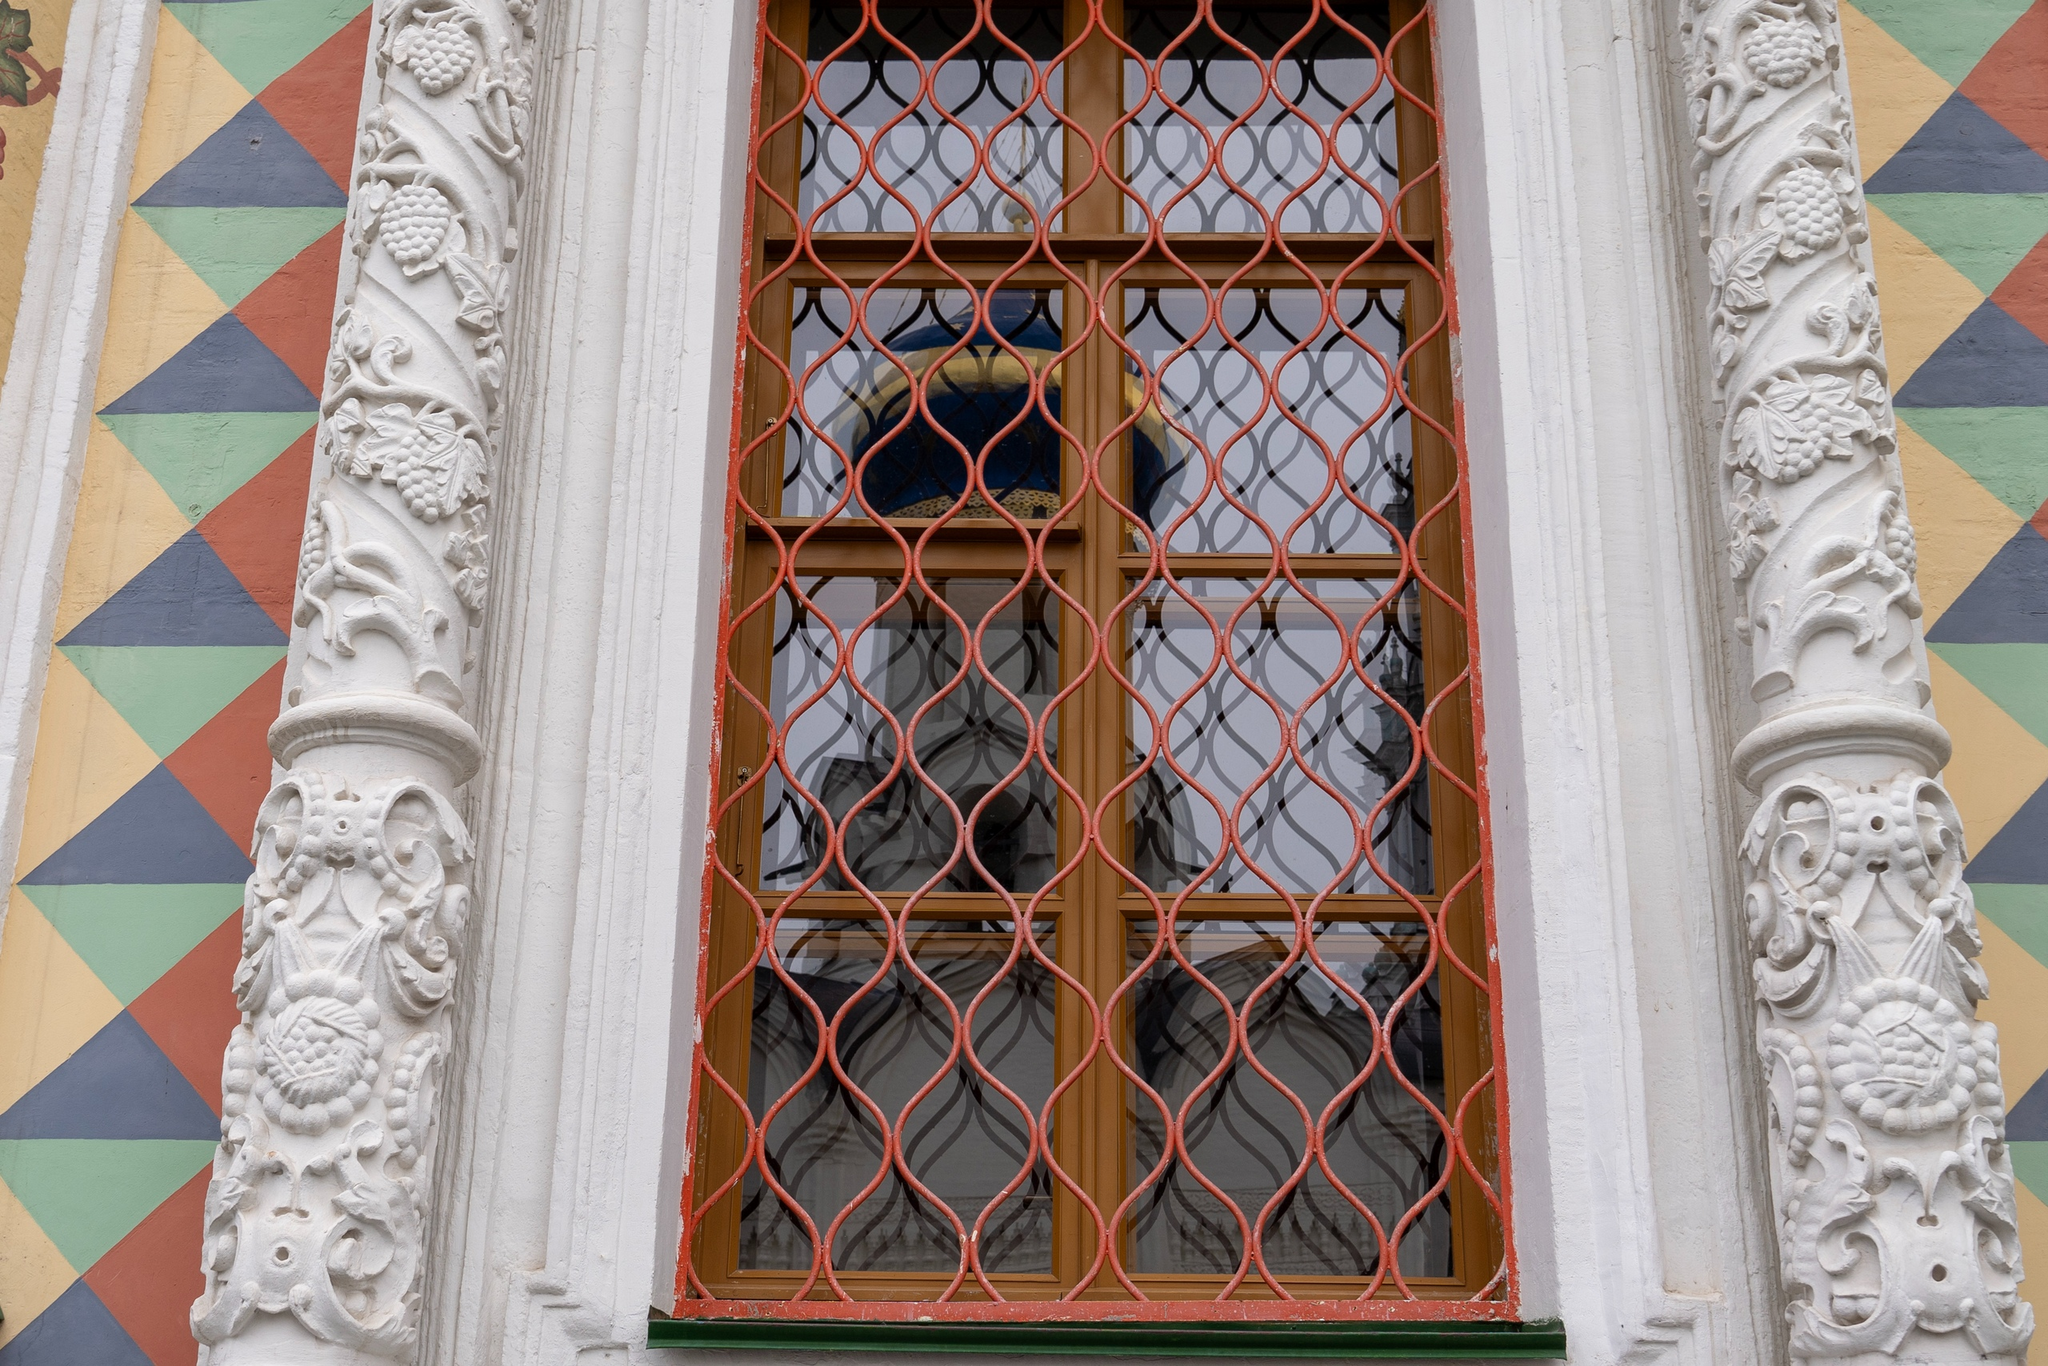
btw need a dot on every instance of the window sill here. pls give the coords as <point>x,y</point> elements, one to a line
<point>1362,1340</point>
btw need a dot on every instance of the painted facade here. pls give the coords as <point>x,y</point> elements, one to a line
<point>170,639</point>
<point>121,930</point>
<point>31,74</point>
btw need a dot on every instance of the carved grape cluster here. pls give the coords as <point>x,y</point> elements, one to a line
<point>440,55</point>
<point>414,223</point>
<point>1899,544</point>
<point>1782,51</point>
<point>1809,209</point>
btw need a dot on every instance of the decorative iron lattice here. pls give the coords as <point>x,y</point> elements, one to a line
<point>1097,921</point>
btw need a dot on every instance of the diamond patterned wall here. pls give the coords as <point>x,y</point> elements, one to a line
<point>122,924</point>
<point>120,937</point>
<point>1952,114</point>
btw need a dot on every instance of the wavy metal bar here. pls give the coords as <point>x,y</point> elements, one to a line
<point>1894,1193</point>
<point>321,1190</point>
<point>931,615</point>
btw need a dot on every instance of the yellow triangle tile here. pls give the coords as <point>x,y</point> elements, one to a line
<point>86,757</point>
<point>33,1273</point>
<point>1925,298</point>
<point>50,1003</point>
<point>1959,523</point>
<point>2033,1235</point>
<point>1997,763</point>
<point>191,95</point>
<point>157,305</point>
<point>2018,986</point>
<point>1892,90</point>
<point>125,520</point>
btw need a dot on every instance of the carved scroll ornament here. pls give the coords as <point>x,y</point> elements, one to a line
<point>316,1213</point>
<point>1893,1191</point>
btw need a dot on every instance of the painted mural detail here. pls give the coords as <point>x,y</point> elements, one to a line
<point>353,918</point>
<point>1894,1190</point>
<point>23,80</point>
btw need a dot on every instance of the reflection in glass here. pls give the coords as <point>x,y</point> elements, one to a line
<point>1247,1138</point>
<point>1204,70</point>
<point>965,1141</point>
<point>1274,454</point>
<point>1291,833</point>
<point>868,75</point>
<point>841,749</point>
<point>860,403</point>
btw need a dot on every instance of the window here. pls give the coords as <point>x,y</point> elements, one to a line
<point>1097,911</point>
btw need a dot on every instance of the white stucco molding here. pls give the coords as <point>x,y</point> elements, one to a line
<point>323,1189</point>
<point>53,364</point>
<point>1892,1190</point>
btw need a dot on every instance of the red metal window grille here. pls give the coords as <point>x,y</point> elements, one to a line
<point>1097,921</point>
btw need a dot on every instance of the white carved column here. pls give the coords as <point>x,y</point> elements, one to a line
<point>1893,1193</point>
<point>317,1213</point>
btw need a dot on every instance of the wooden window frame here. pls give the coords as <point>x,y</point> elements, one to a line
<point>1088,549</point>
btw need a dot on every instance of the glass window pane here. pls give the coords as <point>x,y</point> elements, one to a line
<point>1301,661</point>
<point>1220,465</point>
<point>896,398</point>
<point>892,1012</point>
<point>985,98</point>
<point>1244,63</point>
<point>899,833</point>
<point>1309,1022</point>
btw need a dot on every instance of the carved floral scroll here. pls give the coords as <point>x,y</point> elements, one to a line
<point>322,1186</point>
<point>1893,1191</point>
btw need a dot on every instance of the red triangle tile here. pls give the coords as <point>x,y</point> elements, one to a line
<point>292,311</point>
<point>226,763</point>
<point>149,1279</point>
<point>190,1010</point>
<point>256,530</point>
<point>2024,291</point>
<point>308,99</point>
<point>2009,83</point>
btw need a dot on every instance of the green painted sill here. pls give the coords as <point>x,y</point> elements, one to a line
<point>1356,1339</point>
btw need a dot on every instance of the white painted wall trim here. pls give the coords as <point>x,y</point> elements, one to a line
<point>1637,1153</point>
<point>53,365</point>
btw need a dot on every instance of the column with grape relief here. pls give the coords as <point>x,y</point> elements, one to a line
<point>316,1217</point>
<point>1893,1192</point>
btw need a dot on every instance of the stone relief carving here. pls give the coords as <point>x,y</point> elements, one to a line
<point>1894,1194</point>
<point>353,918</point>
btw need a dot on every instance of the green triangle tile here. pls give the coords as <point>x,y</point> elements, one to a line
<point>87,1193</point>
<point>1948,36</point>
<point>2010,675</point>
<point>2000,448</point>
<point>200,459</point>
<point>235,250</point>
<point>131,935</point>
<point>167,692</point>
<point>2020,910</point>
<point>1982,235</point>
<point>260,40</point>
<point>2030,1165</point>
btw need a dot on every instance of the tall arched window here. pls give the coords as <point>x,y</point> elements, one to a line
<point>1098,912</point>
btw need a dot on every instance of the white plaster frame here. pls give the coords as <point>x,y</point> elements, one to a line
<point>53,363</point>
<point>1640,1210</point>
